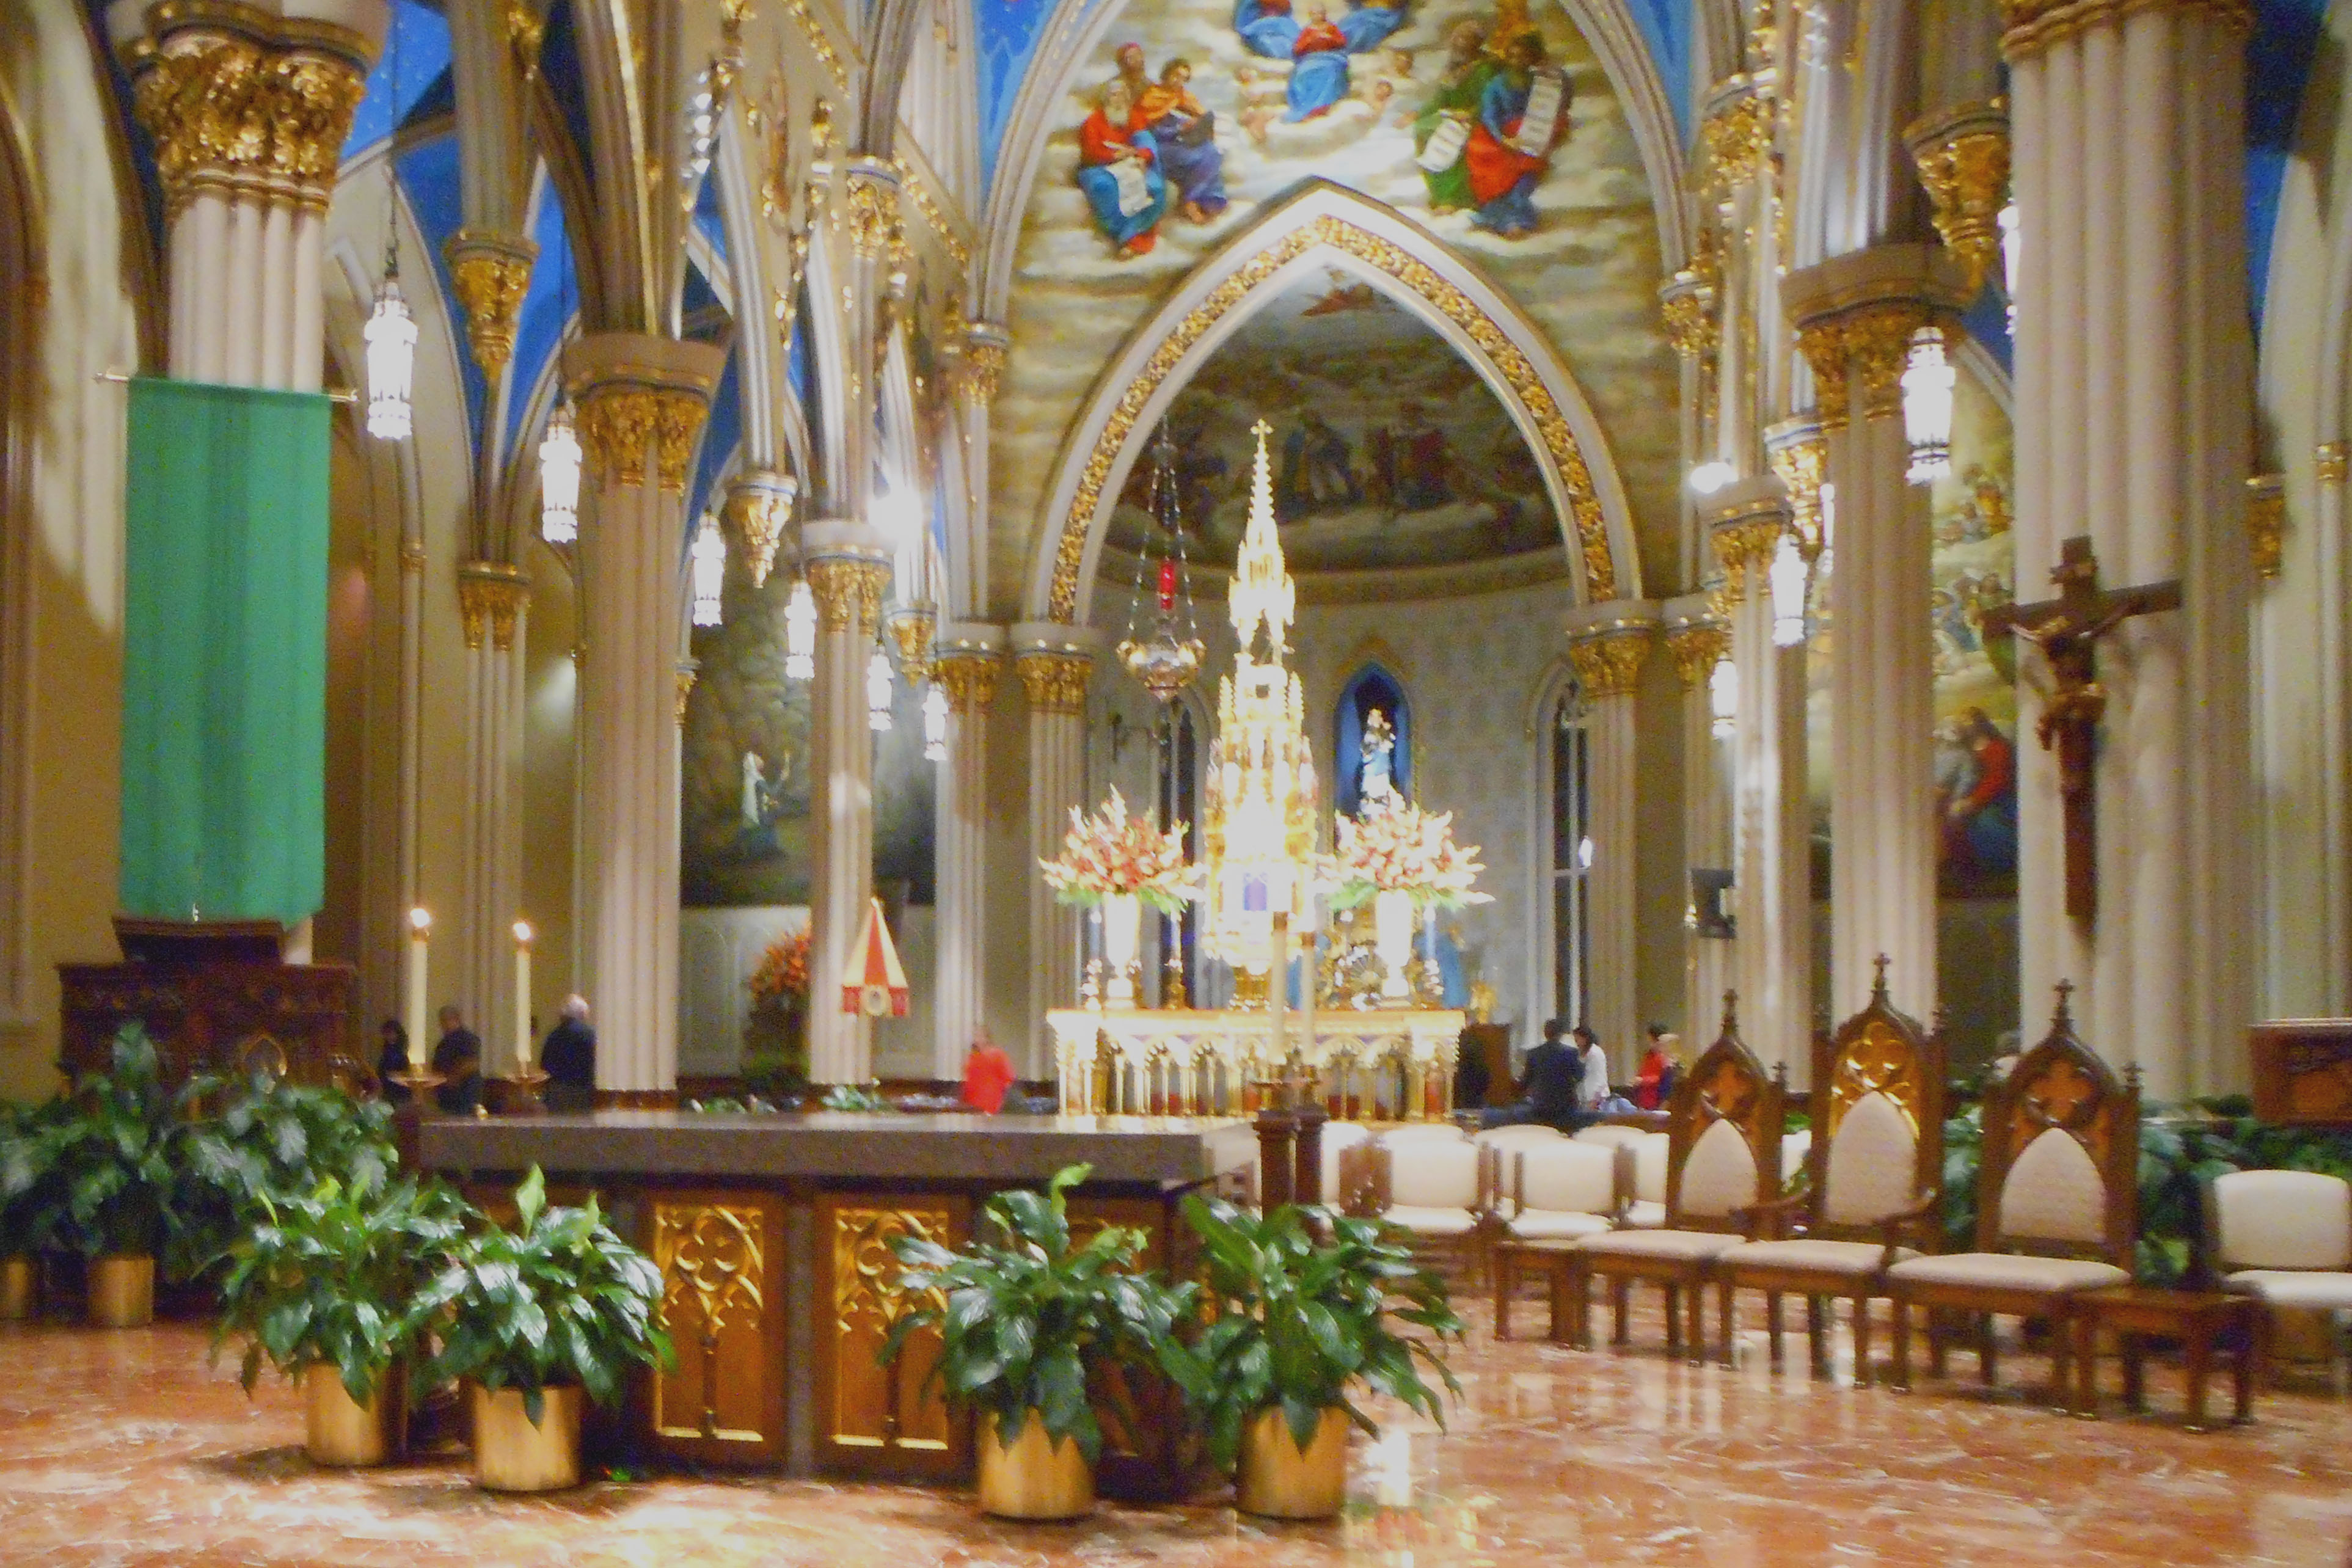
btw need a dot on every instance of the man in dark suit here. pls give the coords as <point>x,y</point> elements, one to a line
<point>569,1056</point>
<point>458,1059</point>
<point>1547,1091</point>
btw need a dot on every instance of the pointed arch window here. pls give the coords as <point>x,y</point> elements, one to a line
<point>1372,691</point>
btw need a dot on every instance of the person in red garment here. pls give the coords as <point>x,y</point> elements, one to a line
<point>987,1074</point>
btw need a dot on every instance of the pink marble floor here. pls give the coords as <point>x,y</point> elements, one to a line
<point>126,1449</point>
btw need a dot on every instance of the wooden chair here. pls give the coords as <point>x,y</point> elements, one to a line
<point>1723,1158</point>
<point>1440,1191</point>
<point>2285,1238</point>
<point>1874,1177</point>
<point>2057,1204</point>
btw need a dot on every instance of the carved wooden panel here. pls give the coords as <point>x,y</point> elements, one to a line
<point>2303,1071</point>
<point>872,1419</point>
<point>205,1017</point>
<point>721,1259</point>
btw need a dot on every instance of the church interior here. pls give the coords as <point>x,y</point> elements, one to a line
<point>1193,781</point>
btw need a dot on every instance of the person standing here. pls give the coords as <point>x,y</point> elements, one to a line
<point>1594,1089</point>
<point>1653,1080</point>
<point>1547,1093</point>
<point>391,1060</point>
<point>987,1074</point>
<point>568,1056</point>
<point>458,1059</point>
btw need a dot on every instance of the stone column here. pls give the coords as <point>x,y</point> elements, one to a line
<point>980,370</point>
<point>848,566</point>
<point>1053,662</point>
<point>642,401</point>
<point>966,667</point>
<point>1608,645</point>
<point>1697,639</point>
<point>493,599</point>
<point>2134,419</point>
<point>1771,825</point>
<point>2329,466</point>
<point>1856,318</point>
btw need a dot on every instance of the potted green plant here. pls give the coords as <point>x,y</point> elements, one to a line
<point>272,1140</point>
<point>116,1159</point>
<point>1024,1314</point>
<point>1304,1301</point>
<point>535,1318</point>
<point>32,1200</point>
<point>321,1287</point>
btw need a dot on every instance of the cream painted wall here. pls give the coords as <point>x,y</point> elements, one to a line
<point>551,686</point>
<point>76,589</point>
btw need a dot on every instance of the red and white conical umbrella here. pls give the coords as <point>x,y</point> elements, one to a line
<point>875,983</point>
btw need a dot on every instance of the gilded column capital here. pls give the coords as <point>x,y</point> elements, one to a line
<point>238,101</point>
<point>1055,679</point>
<point>985,348</point>
<point>685,675</point>
<point>1824,345</point>
<point>1878,345</point>
<point>491,596</point>
<point>1686,301</point>
<point>1696,646</point>
<point>1608,660</point>
<point>1962,155</point>
<point>911,630</point>
<point>490,274</point>
<point>1736,137</point>
<point>2266,522</point>
<point>2329,462</point>
<point>759,507</point>
<point>2032,25</point>
<point>638,392</point>
<point>969,678</point>
<point>870,205</point>
<point>848,592</point>
<point>1799,455</point>
<point>1747,531</point>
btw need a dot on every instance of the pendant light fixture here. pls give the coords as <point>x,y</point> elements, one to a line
<point>877,691</point>
<point>559,449</point>
<point>1788,582</point>
<point>800,632</point>
<point>935,724</point>
<point>710,553</point>
<point>390,330</point>
<point>1723,697</point>
<point>1928,380</point>
<point>1711,476</point>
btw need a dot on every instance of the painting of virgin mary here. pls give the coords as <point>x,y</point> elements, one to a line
<point>1317,49</point>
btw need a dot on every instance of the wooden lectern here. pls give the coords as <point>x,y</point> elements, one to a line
<point>209,992</point>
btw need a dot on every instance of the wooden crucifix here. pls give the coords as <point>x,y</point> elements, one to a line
<point>2067,630</point>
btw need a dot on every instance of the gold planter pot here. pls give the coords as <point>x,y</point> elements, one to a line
<point>1278,1481</point>
<point>339,1431</point>
<point>1034,1477</point>
<point>512,1454</point>
<point>19,1287</point>
<point>122,1292</point>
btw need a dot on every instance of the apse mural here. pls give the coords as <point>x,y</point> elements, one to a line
<point>1488,123</point>
<point>1391,453</point>
<point>747,783</point>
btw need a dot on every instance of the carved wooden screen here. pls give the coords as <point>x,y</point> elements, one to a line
<point>2061,1085</point>
<point>722,1257</point>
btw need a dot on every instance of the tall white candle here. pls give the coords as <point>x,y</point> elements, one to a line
<point>522,996</point>
<point>420,936</point>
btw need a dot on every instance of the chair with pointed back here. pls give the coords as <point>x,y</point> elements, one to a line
<point>1723,1158</point>
<point>1873,1176</point>
<point>2057,1204</point>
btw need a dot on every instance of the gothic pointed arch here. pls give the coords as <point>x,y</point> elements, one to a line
<point>1328,226</point>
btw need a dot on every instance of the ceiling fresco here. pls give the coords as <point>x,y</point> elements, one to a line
<point>1487,122</point>
<point>1390,453</point>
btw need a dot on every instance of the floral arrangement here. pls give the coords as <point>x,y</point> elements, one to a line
<point>1404,849</point>
<point>781,978</point>
<point>1111,852</point>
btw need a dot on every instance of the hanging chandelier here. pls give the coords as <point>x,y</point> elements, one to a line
<point>1711,476</point>
<point>559,478</point>
<point>1723,697</point>
<point>800,632</point>
<point>1928,380</point>
<point>877,691</point>
<point>935,724</point>
<point>391,337</point>
<point>1162,649</point>
<point>2013,255</point>
<point>709,554</point>
<point>1788,576</point>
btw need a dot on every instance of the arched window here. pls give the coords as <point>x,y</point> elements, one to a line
<point>1370,690</point>
<point>1571,856</point>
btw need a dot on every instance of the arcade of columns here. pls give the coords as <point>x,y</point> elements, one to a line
<point>2131,419</point>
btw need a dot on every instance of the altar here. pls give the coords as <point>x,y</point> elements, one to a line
<point>1367,1064</point>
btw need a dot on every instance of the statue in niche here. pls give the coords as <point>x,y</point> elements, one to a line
<point>1376,783</point>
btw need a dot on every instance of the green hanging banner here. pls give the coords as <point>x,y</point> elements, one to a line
<point>225,654</point>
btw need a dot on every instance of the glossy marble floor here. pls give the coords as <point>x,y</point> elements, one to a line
<point>126,1449</point>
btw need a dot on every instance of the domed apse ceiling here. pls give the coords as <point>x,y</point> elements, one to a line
<point>1390,453</point>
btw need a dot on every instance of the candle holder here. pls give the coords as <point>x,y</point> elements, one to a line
<point>522,1093</point>
<point>419,1081</point>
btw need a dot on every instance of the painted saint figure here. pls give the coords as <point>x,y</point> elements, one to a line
<point>1317,49</point>
<point>1510,148</point>
<point>1186,134</point>
<point>1441,131</point>
<point>1118,170</point>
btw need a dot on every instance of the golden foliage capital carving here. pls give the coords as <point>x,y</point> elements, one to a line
<point>1963,162</point>
<point>848,592</point>
<point>1511,363</point>
<point>911,630</point>
<point>618,424</point>
<point>1695,649</point>
<point>1609,663</point>
<point>1737,135</point>
<point>760,507</point>
<point>985,346</point>
<point>969,678</point>
<point>871,203</point>
<point>685,691</point>
<point>231,113</point>
<point>1687,303</point>
<point>1746,541</point>
<point>1800,457</point>
<point>491,275</point>
<point>1824,345</point>
<point>491,596</point>
<point>1878,346</point>
<point>1055,679</point>
<point>2266,522</point>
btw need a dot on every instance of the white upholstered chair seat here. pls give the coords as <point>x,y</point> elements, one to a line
<point>1612,1135</point>
<point>1666,1246</point>
<point>1521,1136</point>
<point>1554,1225</point>
<point>1643,1215</point>
<point>2268,1219</point>
<point>1856,1258</point>
<point>2008,1272</point>
<point>2293,1287</point>
<point>1430,1220</point>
